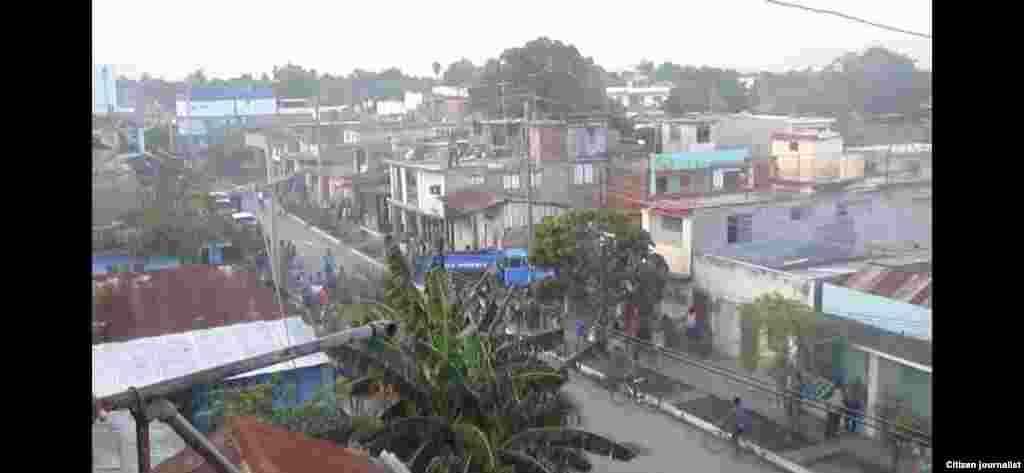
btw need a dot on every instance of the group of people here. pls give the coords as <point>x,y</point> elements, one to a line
<point>846,405</point>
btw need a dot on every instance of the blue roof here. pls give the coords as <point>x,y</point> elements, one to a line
<point>100,263</point>
<point>228,93</point>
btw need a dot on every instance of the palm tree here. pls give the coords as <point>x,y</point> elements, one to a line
<point>470,398</point>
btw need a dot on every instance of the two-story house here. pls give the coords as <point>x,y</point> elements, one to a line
<point>755,131</point>
<point>809,156</point>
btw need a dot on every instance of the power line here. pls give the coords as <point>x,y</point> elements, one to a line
<point>849,17</point>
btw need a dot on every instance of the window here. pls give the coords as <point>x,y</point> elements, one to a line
<point>738,228</point>
<point>584,174</point>
<point>511,181</point>
<point>794,146</point>
<point>435,190</point>
<point>675,133</point>
<point>704,134</point>
<point>661,185</point>
<point>672,224</point>
<point>476,179</point>
<point>799,213</point>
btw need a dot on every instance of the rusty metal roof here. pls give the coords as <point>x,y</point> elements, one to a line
<point>913,287</point>
<point>265,448</point>
<point>469,200</point>
<point>168,301</point>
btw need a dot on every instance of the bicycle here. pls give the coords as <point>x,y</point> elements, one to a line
<point>627,389</point>
<point>718,442</point>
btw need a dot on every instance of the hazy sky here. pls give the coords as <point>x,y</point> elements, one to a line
<point>228,37</point>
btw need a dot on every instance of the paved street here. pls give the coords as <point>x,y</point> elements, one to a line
<point>674,446</point>
<point>309,246</point>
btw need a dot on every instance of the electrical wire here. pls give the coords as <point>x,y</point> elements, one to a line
<point>790,395</point>
<point>849,17</point>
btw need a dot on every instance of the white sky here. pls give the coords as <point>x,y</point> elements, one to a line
<point>229,37</point>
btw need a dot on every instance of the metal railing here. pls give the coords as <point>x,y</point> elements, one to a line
<point>891,428</point>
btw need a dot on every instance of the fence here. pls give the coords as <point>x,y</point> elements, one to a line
<point>815,391</point>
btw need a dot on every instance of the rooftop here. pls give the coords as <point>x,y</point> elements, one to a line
<point>168,301</point>
<point>227,93</point>
<point>787,254</point>
<point>682,205</point>
<point>470,200</point>
<point>144,361</point>
<point>264,448</point>
<point>910,283</point>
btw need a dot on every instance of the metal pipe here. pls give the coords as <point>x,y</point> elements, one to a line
<point>129,399</point>
<point>142,439</point>
<point>166,412</point>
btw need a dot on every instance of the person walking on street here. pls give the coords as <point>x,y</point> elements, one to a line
<point>581,333</point>
<point>837,403</point>
<point>738,423</point>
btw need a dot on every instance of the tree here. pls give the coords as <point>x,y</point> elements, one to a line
<point>601,258</point>
<point>564,79</point>
<point>197,78</point>
<point>473,398</point>
<point>780,334</point>
<point>460,72</point>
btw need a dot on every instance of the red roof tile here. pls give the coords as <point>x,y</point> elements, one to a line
<point>168,301</point>
<point>269,449</point>
<point>470,200</point>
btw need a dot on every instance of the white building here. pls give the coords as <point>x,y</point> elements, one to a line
<point>391,107</point>
<point>755,131</point>
<point>639,93</point>
<point>449,91</point>
<point>413,100</point>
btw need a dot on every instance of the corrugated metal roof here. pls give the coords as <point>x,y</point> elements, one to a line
<point>168,301</point>
<point>265,448</point>
<point>913,287</point>
<point>144,361</point>
<point>469,200</point>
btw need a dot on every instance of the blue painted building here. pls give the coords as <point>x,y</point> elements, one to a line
<point>889,318</point>
<point>107,264</point>
<point>698,172</point>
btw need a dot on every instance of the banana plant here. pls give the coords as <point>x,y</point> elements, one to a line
<point>471,399</point>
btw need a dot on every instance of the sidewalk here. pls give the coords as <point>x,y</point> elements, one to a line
<point>708,396</point>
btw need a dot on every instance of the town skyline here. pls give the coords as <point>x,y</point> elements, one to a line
<point>769,40</point>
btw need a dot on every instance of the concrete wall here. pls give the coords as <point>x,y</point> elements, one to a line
<point>428,203</point>
<point>729,283</point>
<point>115,448</point>
<point>895,217</point>
<point>688,138</point>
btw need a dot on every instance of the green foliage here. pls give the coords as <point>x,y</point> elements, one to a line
<point>549,69</point>
<point>599,254</point>
<point>473,387</point>
<point>772,320</point>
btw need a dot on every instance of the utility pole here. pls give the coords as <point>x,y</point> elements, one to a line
<point>529,195</point>
<point>319,161</point>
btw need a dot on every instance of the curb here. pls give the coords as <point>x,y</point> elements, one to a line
<point>367,258</point>
<point>702,424</point>
<point>325,235</point>
<point>371,232</point>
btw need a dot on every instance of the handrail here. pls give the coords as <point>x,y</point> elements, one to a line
<point>904,433</point>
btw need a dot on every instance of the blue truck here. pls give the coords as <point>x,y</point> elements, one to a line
<point>511,265</point>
